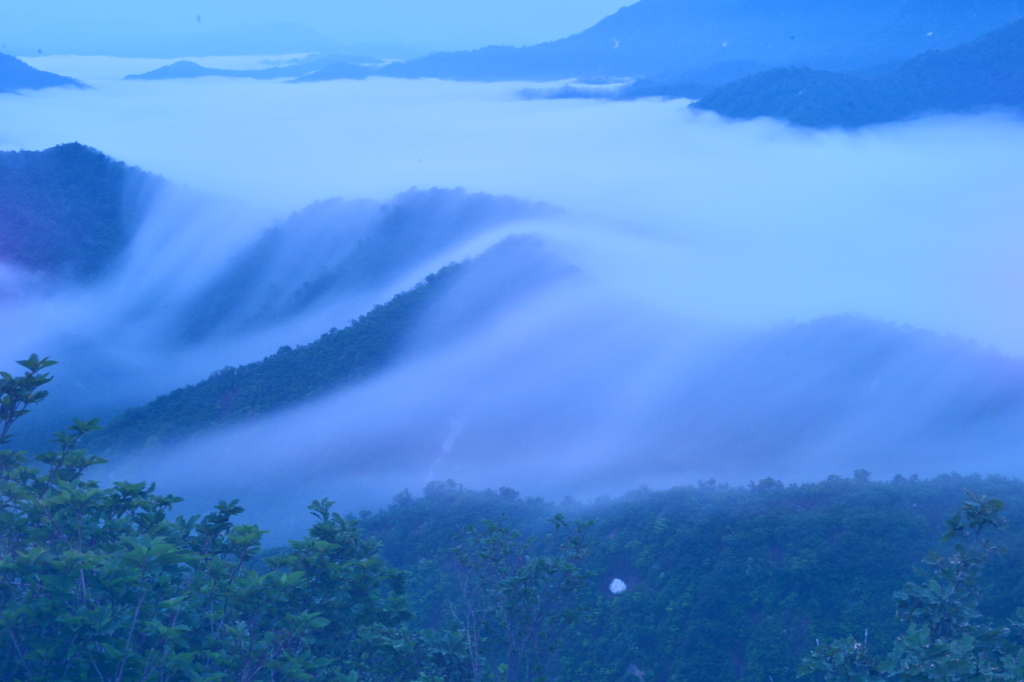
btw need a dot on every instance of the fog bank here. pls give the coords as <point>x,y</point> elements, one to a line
<point>911,222</point>
<point>749,299</point>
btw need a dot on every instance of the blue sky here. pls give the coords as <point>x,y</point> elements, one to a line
<point>124,26</point>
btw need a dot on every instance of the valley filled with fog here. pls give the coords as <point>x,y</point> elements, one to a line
<point>652,295</point>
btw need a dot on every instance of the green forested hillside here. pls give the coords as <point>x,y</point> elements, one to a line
<point>67,210</point>
<point>720,583</point>
<point>984,74</point>
<point>100,583</point>
<point>512,268</point>
<point>723,583</point>
<point>338,357</point>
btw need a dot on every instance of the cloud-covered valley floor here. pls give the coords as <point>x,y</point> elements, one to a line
<point>746,299</point>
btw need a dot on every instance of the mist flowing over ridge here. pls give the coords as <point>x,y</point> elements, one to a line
<point>200,282</point>
<point>736,309</point>
<point>586,379</point>
<point>335,247</point>
<point>576,404</point>
<point>499,375</point>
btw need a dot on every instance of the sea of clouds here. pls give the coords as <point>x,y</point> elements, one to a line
<point>699,241</point>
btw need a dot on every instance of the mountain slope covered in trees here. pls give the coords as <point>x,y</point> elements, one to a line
<point>717,583</point>
<point>68,210</point>
<point>723,584</point>
<point>987,73</point>
<point>340,357</point>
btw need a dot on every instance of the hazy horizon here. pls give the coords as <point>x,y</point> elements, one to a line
<point>403,27</point>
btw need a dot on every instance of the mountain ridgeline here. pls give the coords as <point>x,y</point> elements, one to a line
<point>791,397</point>
<point>817,64</point>
<point>840,389</point>
<point>289,376</point>
<point>691,40</point>
<point>69,215</point>
<point>344,67</point>
<point>508,271</point>
<point>16,75</point>
<point>69,210</point>
<point>984,74</point>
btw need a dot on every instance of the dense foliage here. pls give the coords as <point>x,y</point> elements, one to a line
<point>513,605</point>
<point>723,583</point>
<point>67,210</point>
<point>986,73</point>
<point>100,584</point>
<point>947,639</point>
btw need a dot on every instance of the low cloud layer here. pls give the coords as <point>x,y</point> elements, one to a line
<point>911,222</point>
<point>737,310</point>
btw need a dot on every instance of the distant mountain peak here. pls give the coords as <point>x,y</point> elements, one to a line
<point>17,75</point>
<point>656,37</point>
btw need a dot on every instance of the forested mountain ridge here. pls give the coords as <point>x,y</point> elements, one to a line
<point>340,357</point>
<point>711,582</point>
<point>678,38</point>
<point>71,215</point>
<point>68,210</point>
<point>17,75</point>
<point>724,584</point>
<point>987,73</point>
